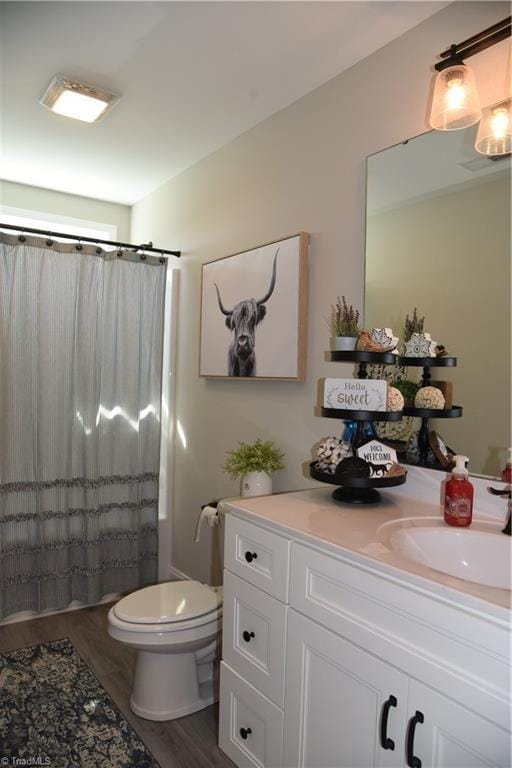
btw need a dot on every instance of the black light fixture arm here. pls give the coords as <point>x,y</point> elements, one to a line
<point>456,53</point>
<point>146,248</point>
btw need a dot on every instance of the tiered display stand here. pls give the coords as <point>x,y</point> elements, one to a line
<point>360,490</point>
<point>425,414</point>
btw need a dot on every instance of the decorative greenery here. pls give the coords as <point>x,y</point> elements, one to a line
<point>408,389</point>
<point>413,325</point>
<point>391,374</point>
<point>344,318</point>
<point>396,376</point>
<point>261,456</point>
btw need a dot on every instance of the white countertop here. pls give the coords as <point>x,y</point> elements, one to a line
<point>355,532</point>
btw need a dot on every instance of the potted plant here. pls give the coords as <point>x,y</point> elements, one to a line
<point>345,324</point>
<point>254,463</point>
<point>408,389</point>
<point>413,324</point>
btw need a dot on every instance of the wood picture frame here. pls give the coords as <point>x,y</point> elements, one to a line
<point>254,307</point>
<point>441,451</point>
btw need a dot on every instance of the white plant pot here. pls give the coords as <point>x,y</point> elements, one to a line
<point>256,484</point>
<point>345,343</point>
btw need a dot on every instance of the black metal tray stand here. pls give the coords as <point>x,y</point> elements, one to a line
<point>425,414</point>
<point>359,490</point>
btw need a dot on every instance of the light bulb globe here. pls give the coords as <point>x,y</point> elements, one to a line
<point>455,103</point>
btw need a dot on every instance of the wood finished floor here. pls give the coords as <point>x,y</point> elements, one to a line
<point>190,742</point>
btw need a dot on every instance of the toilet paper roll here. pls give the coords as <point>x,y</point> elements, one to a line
<point>208,513</point>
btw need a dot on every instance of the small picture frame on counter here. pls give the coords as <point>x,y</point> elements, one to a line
<point>443,454</point>
<point>446,388</point>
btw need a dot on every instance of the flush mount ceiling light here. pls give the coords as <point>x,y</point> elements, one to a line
<point>456,104</point>
<point>77,100</point>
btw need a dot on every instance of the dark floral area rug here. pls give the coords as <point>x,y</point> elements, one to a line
<point>54,712</point>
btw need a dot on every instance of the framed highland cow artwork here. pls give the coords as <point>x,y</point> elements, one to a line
<point>254,312</point>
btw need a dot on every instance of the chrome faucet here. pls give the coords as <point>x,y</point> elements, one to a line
<point>507,493</point>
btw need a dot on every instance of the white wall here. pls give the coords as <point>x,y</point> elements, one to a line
<point>302,169</point>
<point>61,204</point>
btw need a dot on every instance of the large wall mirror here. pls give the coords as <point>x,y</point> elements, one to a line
<point>438,238</point>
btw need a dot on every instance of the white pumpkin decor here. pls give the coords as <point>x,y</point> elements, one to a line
<point>330,452</point>
<point>429,397</point>
<point>395,399</point>
<point>384,337</point>
<point>420,345</point>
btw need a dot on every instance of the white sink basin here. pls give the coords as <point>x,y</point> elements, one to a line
<point>474,555</point>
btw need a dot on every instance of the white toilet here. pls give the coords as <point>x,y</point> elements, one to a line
<point>176,629</point>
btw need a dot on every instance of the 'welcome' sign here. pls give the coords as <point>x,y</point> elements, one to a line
<point>379,456</point>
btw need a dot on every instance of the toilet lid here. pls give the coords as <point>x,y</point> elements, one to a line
<point>165,603</point>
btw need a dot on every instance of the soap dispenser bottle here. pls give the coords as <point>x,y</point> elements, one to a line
<point>458,500</point>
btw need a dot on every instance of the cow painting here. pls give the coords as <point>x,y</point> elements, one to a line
<point>242,321</point>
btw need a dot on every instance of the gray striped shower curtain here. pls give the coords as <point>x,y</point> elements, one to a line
<point>80,383</point>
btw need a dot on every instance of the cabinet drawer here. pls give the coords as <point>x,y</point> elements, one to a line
<point>330,591</point>
<point>254,636</point>
<point>250,726</point>
<point>258,556</point>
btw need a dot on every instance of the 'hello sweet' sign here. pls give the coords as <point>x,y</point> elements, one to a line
<point>356,394</point>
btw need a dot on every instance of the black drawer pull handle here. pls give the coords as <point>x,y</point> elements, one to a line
<point>412,760</point>
<point>385,741</point>
<point>245,732</point>
<point>247,636</point>
<point>250,556</point>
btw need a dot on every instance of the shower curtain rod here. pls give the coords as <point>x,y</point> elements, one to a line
<point>129,246</point>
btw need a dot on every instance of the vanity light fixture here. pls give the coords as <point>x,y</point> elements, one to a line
<point>456,104</point>
<point>77,100</point>
<point>494,135</point>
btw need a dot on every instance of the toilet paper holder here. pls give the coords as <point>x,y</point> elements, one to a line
<point>209,512</point>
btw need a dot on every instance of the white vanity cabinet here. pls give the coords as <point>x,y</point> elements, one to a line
<point>347,665</point>
<point>452,735</point>
<point>346,708</point>
<point>337,697</point>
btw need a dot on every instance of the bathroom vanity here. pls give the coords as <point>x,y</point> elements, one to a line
<point>341,652</point>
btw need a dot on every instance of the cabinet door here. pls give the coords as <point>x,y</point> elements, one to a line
<point>451,736</point>
<point>344,708</point>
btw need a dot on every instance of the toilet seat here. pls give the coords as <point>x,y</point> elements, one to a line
<point>182,603</point>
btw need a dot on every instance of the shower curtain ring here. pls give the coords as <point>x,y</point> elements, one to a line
<point>119,252</point>
<point>143,257</point>
<point>79,246</point>
<point>49,242</point>
<point>22,238</point>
